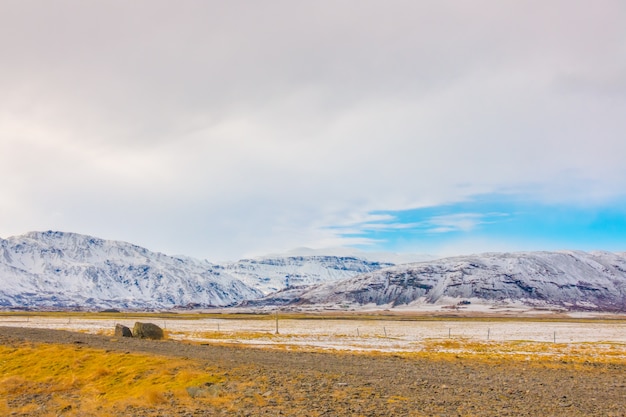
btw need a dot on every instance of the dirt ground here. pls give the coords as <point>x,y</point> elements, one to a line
<point>342,384</point>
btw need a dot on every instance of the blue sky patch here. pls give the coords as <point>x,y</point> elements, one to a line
<point>498,222</point>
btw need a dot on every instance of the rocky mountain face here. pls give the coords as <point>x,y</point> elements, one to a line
<point>277,273</point>
<point>570,279</point>
<point>67,270</point>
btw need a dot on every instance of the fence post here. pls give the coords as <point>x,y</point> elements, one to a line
<point>276,321</point>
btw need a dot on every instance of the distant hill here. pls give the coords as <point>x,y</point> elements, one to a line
<point>276,273</point>
<point>572,280</point>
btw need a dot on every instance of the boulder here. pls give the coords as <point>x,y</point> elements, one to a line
<point>147,331</point>
<point>122,331</point>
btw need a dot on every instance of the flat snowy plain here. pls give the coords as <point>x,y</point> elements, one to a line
<point>359,333</point>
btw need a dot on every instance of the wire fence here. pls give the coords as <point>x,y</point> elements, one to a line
<point>407,331</point>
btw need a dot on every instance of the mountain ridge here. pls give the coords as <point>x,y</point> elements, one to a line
<point>54,269</point>
<point>62,270</point>
<point>572,280</point>
<point>69,270</point>
<point>271,274</point>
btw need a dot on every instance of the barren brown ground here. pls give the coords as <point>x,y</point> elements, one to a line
<point>327,384</point>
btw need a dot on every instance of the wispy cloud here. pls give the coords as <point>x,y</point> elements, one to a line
<point>499,222</point>
<point>388,226</point>
<point>446,223</point>
<point>460,222</point>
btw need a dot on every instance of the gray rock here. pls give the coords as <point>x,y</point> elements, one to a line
<point>122,331</point>
<point>148,331</point>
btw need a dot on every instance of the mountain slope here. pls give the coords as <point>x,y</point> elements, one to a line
<point>277,273</point>
<point>67,270</point>
<point>570,279</point>
<point>61,270</point>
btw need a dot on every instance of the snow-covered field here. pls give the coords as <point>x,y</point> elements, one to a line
<point>348,334</point>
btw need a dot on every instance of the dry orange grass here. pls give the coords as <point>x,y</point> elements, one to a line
<point>56,379</point>
<point>441,349</point>
<point>531,352</point>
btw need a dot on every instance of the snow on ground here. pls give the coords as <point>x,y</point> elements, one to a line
<point>348,334</point>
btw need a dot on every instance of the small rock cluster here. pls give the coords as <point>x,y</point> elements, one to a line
<point>140,330</point>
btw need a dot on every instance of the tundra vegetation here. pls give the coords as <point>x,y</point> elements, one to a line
<point>70,374</point>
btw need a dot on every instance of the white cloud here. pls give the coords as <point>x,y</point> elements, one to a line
<point>463,222</point>
<point>219,129</point>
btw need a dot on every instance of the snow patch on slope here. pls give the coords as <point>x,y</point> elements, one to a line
<point>270,274</point>
<point>61,270</point>
<point>569,279</point>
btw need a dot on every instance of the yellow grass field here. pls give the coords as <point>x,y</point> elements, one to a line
<point>49,379</point>
<point>95,381</point>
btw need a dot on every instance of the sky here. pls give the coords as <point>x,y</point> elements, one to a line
<point>223,130</point>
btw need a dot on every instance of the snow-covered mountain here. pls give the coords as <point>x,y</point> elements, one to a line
<point>68,270</point>
<point>65,270</point>
<point>272,274</point>
<point>570,279</point>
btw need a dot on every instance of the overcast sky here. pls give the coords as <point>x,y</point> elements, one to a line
<point>224,129</point>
